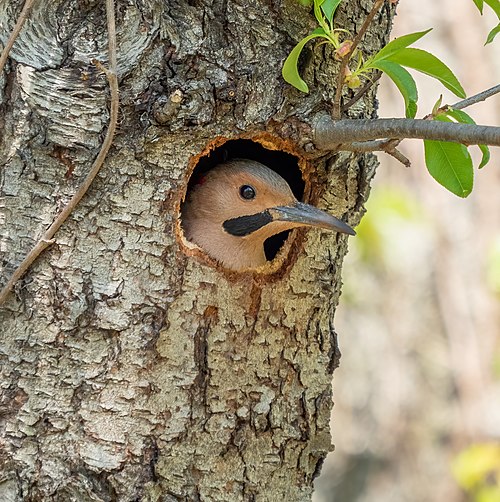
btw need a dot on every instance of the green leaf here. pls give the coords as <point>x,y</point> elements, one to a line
<point>397,44</point>
<point>305,3</point>
<point>404,82</point>
<point>450,165</point>
<point>486,155</point>
<point>318,14</point>
<point>429,64</point>
<point>479,5</point>
<point>460,116</point>
<point>290,71</point>
<point>492,34</point>
<point>465,118</point>
<point>495,5</point>
<point>329,7</point>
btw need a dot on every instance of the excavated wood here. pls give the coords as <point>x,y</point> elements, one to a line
<point>129,370</point>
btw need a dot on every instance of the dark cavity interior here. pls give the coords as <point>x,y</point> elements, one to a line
<point>285,164</point>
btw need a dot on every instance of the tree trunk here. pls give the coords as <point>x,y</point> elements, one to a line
<point>133,367</point>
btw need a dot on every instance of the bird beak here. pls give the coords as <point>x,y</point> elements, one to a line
<point>307,215</point>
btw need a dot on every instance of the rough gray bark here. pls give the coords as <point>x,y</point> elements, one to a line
<point>131,367</point>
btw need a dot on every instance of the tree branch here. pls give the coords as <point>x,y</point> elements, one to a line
<point>477,98</point>
<point>329,134</point>
<point>15,32</point>
<point>46,239</point>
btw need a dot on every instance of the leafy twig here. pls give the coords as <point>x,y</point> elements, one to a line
<point>337,106</point>
<point>366,87</point>
<point>15,32</point>
<point>46,239</point>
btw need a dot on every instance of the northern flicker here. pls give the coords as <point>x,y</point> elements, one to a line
<point>237,205</point>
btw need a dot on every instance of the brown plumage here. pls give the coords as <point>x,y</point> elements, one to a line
<point>236,206</point>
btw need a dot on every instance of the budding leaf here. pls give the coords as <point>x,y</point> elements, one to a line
<point>429,64</point>
<point>290,70</point>
<point>404,82</point>
<point>437,106</point>
<point>450,165</point>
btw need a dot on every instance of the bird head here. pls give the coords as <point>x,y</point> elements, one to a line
<point>237,205</point>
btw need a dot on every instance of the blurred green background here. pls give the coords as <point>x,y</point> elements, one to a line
<point>417,394</point>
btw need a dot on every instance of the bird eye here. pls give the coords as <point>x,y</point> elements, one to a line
<point>247,192</point>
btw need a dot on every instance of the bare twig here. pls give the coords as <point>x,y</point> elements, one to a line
<point>388,146</point>
<point>366,87</point>
<point>379,145</point>
<point>46,239</point>
<point>477,98</point>
<point>15,32</point>
<point>394,152</point>
<point>337,106</point>
<point>329,134</point>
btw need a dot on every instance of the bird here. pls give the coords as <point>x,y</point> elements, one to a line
<point>232,209</point>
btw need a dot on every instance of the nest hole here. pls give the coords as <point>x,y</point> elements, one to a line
<point>285,164</point>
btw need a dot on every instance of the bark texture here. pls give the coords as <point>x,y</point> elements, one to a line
<point>132,368</point>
